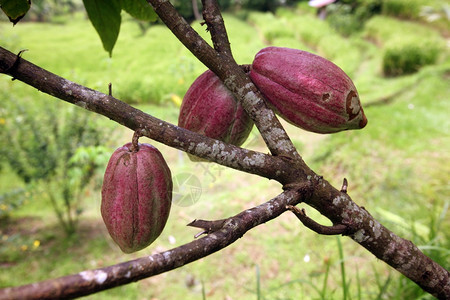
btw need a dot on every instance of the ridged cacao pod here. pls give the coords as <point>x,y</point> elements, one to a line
<point>136,196</point>
<point>307,90</point>
<point>210,109</point>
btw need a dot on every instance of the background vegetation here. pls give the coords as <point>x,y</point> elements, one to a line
<point>395,51</point>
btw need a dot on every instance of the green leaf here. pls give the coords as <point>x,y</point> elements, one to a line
<point>105,16</point>
<point>139,9</point>
<point>15,9</point>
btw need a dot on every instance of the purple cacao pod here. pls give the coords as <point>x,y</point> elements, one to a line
<point>136,196</point>
<point>307,90</point>
<point>210,109</point>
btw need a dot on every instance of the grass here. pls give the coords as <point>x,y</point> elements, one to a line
<point>397,166</point>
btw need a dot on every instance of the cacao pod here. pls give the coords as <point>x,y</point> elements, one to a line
<point>136,196</point>
<point>307,90</point>
<point>210,109</point>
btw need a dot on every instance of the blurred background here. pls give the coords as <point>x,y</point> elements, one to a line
<point>53,154</point>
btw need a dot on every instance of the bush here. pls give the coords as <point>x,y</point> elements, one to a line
<point>407,46</point>
<point>409,9</point>
<point>55,150</point>
<point>408,58</point>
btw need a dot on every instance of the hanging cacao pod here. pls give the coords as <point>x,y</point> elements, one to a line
<point>136,196</point>
<point>210,109</point>
<point>307,90</point>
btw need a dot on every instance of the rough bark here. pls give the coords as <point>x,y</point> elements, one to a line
<point>285,165</point>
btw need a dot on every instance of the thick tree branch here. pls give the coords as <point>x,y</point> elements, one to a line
<point>159,130</point>
<point>92,281</point>
<point>399,253</point>
<point>288,168</point>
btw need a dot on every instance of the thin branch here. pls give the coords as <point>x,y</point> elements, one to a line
<point>316,227</point>
<point>216,26</point>
<point>92,281</point>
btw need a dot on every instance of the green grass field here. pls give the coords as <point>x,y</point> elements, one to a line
<point>397,166</point>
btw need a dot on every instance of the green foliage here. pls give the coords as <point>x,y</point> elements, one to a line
<point>105,16</point>
<point>54,151</point>
<point>11,201</point>
<point>139,9</point>
<point>15,9</point>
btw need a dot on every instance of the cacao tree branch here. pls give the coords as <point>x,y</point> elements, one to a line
<point>234,78</point>
<point>337,205</point>
<point>316,227</point>
<point>216,26</point>
<point>156,129</point>
<point>92,281</point>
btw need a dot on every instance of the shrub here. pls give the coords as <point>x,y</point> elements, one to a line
<point>55,150</point>
<point>408,58</point>
<point>407,46</point>
<point>409,9</point>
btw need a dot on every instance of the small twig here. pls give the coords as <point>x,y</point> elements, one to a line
<point>344,186</point>
<point>316,227</point>
<point>15,64</point>
<point>110,89</point>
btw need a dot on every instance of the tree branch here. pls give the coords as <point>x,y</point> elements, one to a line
<point>234,78</point>
<point>92,281</point>
<point>316,227</point>
<point>214,21</point>
<point>288,168</point>
<point>156,129</point>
